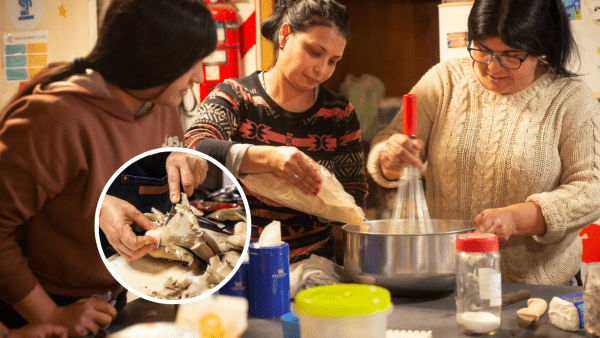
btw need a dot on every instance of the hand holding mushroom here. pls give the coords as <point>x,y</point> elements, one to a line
<point>116,217</point>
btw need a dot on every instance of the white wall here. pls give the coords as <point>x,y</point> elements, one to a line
<point>70,36</point>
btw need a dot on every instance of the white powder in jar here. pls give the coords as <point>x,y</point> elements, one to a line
<point>479,322</point>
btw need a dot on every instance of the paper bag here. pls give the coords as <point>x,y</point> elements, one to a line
<point>332,202</point>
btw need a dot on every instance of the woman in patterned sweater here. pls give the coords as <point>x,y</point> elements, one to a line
<point>282,120</point>
<point>511,137</point>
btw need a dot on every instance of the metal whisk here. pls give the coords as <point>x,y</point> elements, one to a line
<point>410,203</point>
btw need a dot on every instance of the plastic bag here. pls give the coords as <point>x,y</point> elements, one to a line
<point>332,202</point>
<point>364,92</point>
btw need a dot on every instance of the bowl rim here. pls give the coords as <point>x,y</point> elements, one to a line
<point>356,230</point>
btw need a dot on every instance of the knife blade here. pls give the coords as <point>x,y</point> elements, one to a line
<point>169,216</point>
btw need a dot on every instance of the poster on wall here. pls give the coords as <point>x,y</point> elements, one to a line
<point>457,40</point>
<point>25,15</point>
<point>25,54</point>
<point>573,8</point>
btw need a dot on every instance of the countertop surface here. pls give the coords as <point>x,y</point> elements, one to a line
<point>435,312</point>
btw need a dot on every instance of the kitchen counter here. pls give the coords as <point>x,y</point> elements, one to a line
<point>435,312</point>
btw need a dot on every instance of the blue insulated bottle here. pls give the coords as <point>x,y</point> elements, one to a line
<point>269,281</point>
<point>238,284</point>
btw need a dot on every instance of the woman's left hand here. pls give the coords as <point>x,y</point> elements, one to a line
<point>500,222</point>
<point>187,169</point>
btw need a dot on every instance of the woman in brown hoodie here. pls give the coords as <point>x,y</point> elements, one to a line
<point>63,136</point>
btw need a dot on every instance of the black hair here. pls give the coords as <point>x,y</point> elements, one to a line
<point>142,44</point>
<point>538,27</point>
<point>303,14</point>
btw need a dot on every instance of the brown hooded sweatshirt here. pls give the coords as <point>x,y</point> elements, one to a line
<point>58,149</point>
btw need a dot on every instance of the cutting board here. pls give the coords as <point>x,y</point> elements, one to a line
<point>146,273</point>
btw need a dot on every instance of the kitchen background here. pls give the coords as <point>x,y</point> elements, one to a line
<point>393,43</point>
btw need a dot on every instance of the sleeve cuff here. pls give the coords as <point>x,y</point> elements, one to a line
<point>214,148</point>
<point>19,287</point>
<point>234,157</point>
<point>375,170</point>
<point>555,227</point>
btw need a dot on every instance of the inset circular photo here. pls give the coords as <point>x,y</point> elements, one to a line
<point>172,225</point>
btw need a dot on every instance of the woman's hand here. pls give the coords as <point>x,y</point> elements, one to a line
<point>500,222</point>
<point>116,216</point>
<point>289,163</point>
<point>85,316</point>
<point>398,149</point>
<point>187,169</point>
<point>43,330</point>
<point>522,219</point>
<point>293,165</point>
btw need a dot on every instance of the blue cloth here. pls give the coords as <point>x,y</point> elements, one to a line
<point>144,183</point>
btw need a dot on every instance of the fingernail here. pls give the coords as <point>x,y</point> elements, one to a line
<point>319,182</point>
<point>173,198</point>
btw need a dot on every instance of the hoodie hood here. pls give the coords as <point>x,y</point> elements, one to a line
<point>90,87</point>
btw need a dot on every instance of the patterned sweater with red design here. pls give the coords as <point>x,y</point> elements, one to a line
<point>240,110</point>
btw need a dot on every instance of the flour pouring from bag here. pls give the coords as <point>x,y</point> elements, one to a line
<point>332,203</point>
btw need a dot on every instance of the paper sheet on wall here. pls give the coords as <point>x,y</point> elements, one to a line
<point>25,54</point>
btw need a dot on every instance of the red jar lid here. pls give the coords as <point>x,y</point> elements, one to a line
<point>477,242</point>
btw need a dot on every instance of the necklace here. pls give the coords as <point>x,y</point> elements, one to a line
<point>263,82</point>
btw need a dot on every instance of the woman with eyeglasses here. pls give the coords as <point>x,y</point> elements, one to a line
<point>511,138</point>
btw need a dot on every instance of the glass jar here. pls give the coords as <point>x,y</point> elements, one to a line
<point>591,299</point>
<point>478,283</point>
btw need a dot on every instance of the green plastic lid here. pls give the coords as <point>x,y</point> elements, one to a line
<point>343,300</point>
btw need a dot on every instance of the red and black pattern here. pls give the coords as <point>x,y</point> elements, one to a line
<point>329,132</point>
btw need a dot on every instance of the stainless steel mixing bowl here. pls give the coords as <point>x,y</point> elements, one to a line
<point>403,263</point>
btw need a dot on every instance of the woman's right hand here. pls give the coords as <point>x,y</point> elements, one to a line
<point>85,316</point>
<point>116,216</point>
<point>399,149</point>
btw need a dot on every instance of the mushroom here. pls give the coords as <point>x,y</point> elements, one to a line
<point>210,255</point>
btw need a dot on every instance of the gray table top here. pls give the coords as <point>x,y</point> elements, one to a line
<point>435,312</point>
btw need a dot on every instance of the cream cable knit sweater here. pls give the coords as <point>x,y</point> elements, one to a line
<point>487,150</point>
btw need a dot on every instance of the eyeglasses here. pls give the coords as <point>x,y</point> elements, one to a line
<point>506,61</point>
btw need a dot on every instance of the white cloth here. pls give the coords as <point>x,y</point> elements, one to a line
<point>314,271</point>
